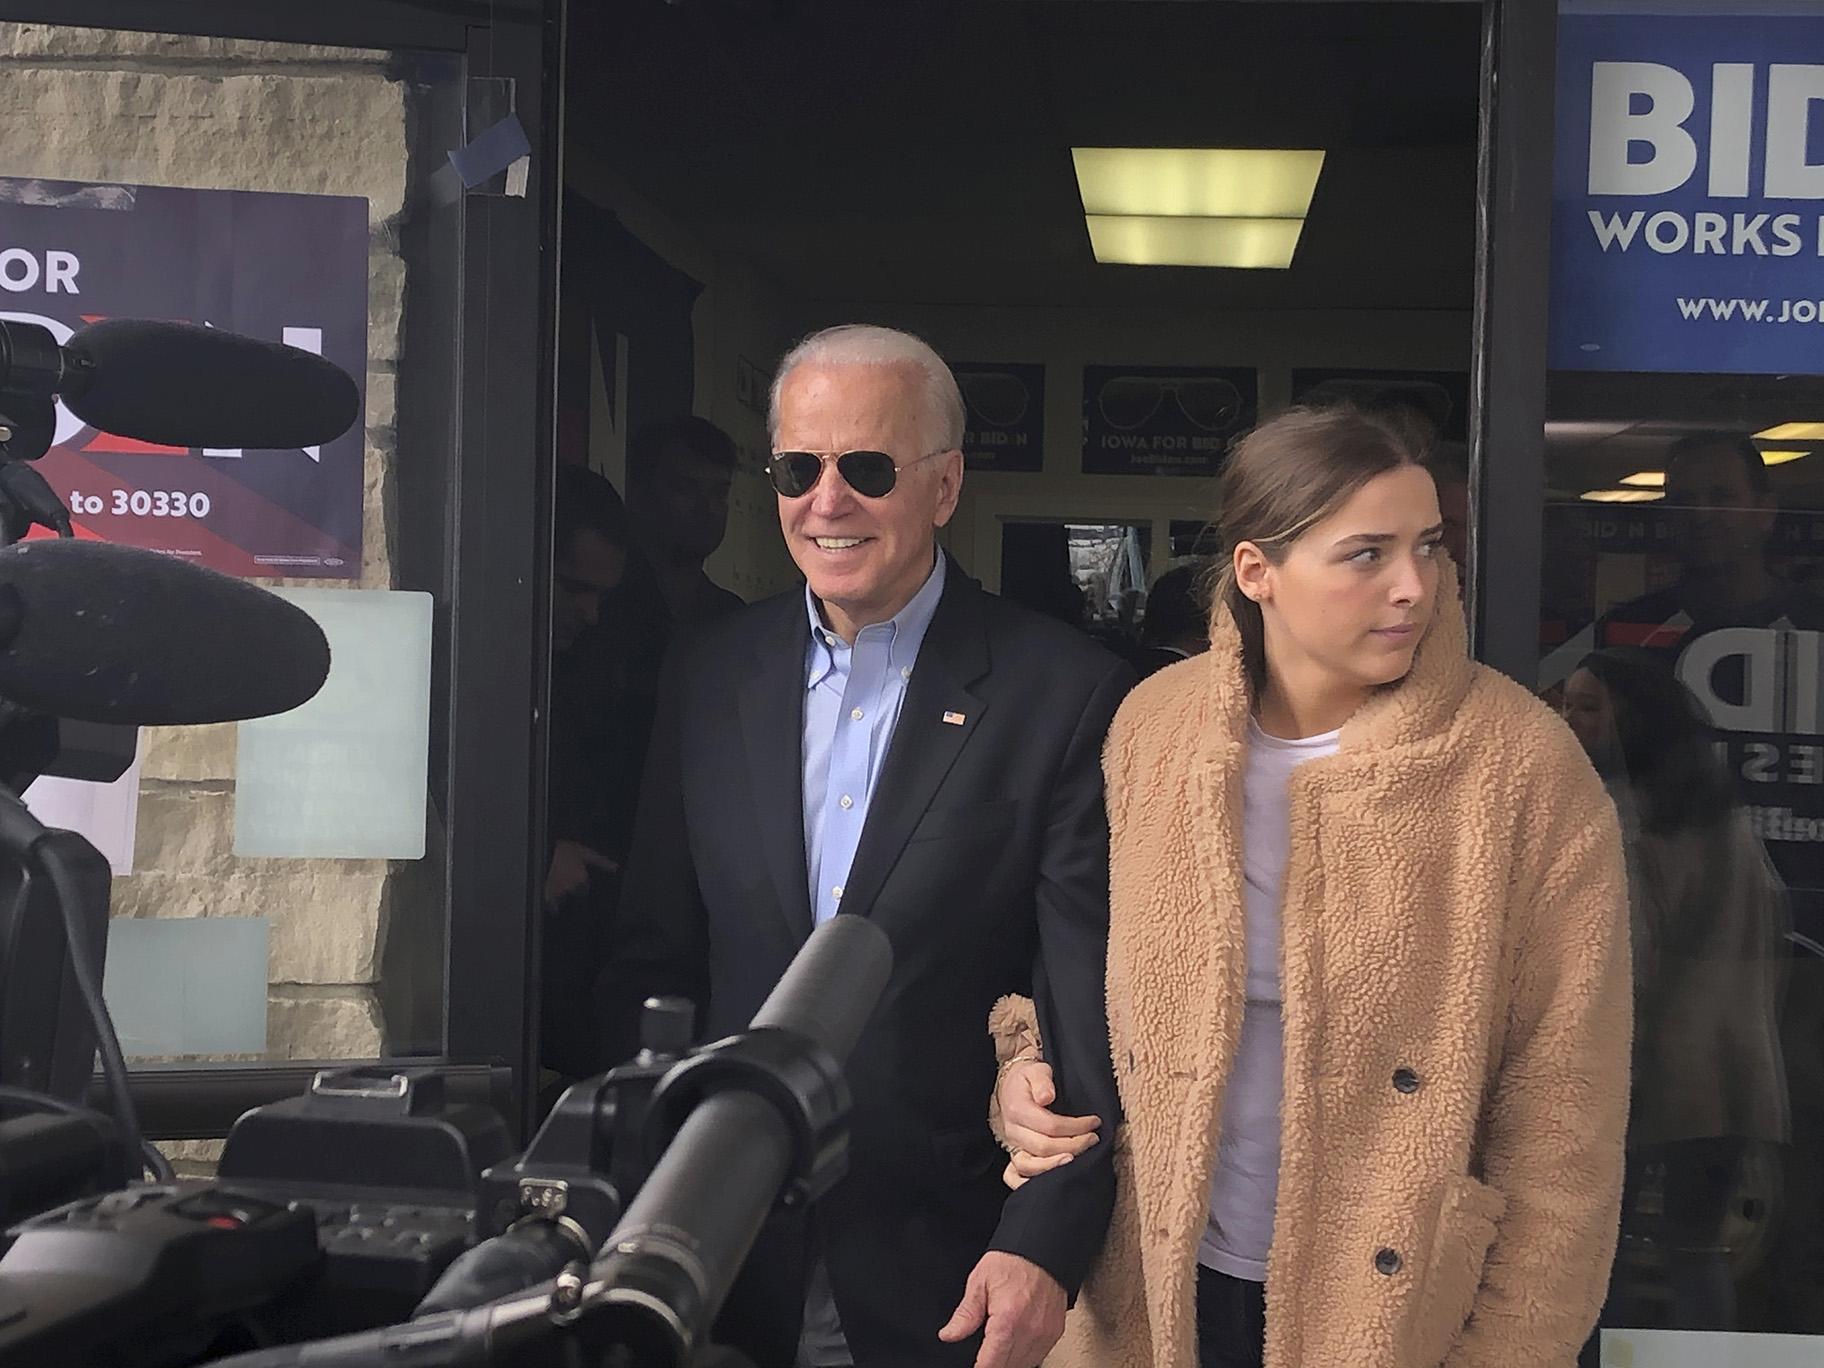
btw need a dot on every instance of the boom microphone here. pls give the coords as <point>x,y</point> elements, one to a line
<point>183,385</point>
<point>105,633</point>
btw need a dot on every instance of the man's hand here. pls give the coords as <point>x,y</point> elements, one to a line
<point>1022,1306</point>
<point>1039,1138</point>
<point>571,862</point>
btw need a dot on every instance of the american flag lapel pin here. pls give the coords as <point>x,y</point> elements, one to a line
<point>955,719</point>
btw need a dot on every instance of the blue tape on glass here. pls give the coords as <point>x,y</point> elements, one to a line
<point>491,152</point>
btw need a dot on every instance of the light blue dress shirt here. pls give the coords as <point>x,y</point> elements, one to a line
<point>851,706</point>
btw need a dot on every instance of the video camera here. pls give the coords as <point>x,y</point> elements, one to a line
<point>372,1220</point>
<point>375,1211</point>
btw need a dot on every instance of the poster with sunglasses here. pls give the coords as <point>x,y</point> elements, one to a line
<point>1441,398</point>
<point>1005,428</point>
<point>1163,420</point>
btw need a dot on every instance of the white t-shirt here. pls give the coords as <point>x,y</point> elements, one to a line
<point>1244,1181</point>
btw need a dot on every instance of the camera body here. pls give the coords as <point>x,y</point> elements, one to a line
<point>332,1212</point>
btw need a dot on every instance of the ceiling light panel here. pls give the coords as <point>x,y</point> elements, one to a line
<point>1246,244</point>
<point>1793,432</point>
<point>1623,495</point>
<point>1197,182</point>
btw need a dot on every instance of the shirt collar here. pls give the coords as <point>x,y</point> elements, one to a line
<point>905,630</point>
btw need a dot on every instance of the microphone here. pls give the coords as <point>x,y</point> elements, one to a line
<point>650,1297</point>
<point>105,633</point>
<point>182,385</point>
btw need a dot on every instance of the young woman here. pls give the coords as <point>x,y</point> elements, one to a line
<point>1368,984</point>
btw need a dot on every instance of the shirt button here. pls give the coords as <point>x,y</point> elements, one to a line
<point>836,892</point>
<point>905,672</point>
<point>1387,1263</point>
<point>847,802</point>
<point>855,713</point>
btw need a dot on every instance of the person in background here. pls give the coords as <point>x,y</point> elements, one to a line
<point>1722,510</point>
<point>1368,985</point>
<point>1449,467</point>
<point>1177,622</point>
<point>679,472</point>
<point>595,735</point>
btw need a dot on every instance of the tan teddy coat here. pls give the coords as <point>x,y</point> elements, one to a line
<point>1455,916</point>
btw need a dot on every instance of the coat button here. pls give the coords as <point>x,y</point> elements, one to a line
<point>1405,1080</point>
<point>1387,1262</point>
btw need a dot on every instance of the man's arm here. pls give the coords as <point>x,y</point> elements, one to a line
<point>1058,1220</point>
<point>659,941</point>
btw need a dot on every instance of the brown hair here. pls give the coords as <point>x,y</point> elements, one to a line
<point>1291,472</point>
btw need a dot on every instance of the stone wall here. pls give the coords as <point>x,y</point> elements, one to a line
<point>215,113</point>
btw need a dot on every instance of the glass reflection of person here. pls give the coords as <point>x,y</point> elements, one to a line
<point>1708,917</point>
<point>679,472</point>
<point>1722,510</point>
<point>596,733</point>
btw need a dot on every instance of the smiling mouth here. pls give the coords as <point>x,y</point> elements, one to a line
<point>840,543</point>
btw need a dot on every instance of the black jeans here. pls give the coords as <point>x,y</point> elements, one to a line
<point>1231,1321</point>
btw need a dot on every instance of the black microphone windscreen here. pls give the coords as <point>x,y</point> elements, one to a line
<point>108,633</point>
<point>182,385</point>
<point>832,986</point>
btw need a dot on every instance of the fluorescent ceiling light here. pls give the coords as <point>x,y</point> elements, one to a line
<point>1158,241</point>
<point>1197,182</point>
<point>1623,495</point>
<point>1648,479</point>
<point>1781,457</point>
<point>1793,432</point>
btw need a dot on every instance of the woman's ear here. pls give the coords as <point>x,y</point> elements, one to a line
<point>1253,572</point>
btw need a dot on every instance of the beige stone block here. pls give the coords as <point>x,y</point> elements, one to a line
<point>193,1158</point>
<point>187,753</point>
<point>40,42</point>
<point>323,1023</point>
<point>185,829</point>
<point>385,304</point>
<point>379,519</point>
<point>331,929</point>
<point>315,134</point>
<point>325,918</point>
<point>382,400</point>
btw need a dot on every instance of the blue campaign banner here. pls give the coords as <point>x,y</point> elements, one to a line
<point>1688,194</point>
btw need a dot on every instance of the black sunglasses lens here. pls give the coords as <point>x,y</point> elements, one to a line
<point>869,473</point>
<point>794,472</point>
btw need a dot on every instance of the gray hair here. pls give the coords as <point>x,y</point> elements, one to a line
<point>869,344</point>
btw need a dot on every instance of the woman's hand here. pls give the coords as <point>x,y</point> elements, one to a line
<point>1038,1138</point>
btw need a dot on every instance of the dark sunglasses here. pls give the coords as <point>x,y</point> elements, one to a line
<point>870,474</point>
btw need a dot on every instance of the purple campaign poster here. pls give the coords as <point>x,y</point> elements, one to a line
<point>278,267</point>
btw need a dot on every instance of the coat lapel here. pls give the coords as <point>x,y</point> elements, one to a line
<point>772,728</point>
<point>925,745</point>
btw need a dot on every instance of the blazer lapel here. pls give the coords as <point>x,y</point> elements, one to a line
<point>772,728</point>
<point>938,716</point>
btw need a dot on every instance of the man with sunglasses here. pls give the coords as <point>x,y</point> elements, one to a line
<point>890,741</point>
